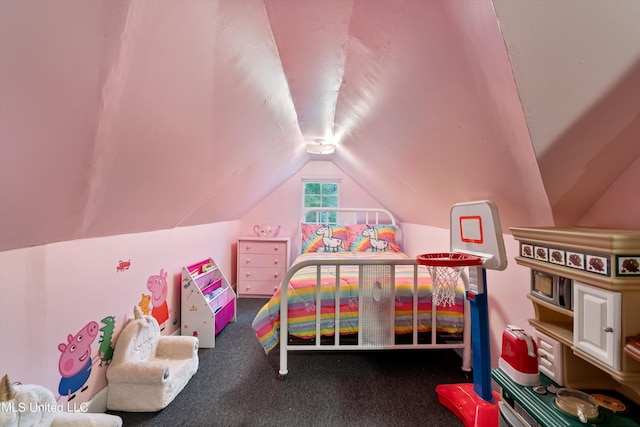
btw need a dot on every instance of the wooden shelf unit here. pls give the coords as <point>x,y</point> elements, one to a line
<point>208,302</point>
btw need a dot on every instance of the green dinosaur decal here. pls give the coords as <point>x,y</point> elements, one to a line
<point>105,351</point>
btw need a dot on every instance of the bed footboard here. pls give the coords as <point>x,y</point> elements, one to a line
<point>376,309</point>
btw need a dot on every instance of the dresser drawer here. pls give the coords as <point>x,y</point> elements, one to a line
<point>261,260</point>
<point>257,288</point>
<point>258,247</point>
<point>266,273</point>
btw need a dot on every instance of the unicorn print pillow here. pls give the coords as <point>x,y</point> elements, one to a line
<point>373,238</point>
<point>324,238</point>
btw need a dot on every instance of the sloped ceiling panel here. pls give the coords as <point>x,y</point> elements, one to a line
<point>50,80</point>
<point>577,66</point>
<point>132,116</point>
<point>429,105</point>
<point>152,115</point>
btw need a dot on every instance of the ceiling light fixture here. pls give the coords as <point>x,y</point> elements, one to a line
<point>320,146</point>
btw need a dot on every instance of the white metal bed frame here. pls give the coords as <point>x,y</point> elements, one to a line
<point>387,267</point>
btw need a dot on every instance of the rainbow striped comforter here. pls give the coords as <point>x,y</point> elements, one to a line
<point>302,301</point>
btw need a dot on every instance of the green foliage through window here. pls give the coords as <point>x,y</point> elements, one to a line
<point>321,194</point>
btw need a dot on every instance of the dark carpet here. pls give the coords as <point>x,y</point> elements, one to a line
<point>236,385</point>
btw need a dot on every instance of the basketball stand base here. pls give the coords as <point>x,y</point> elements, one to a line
<point>463,401</point>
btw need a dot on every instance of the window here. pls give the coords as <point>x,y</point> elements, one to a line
<point>321,194</point>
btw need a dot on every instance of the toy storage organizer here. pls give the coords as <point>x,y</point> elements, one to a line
<point>208,302</point>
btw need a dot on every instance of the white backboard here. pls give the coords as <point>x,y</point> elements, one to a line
<point>476,230</point>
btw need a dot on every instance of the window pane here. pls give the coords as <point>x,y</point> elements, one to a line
<point>328,189</point>
<point>312,188</point>
<point>312,201</point>
<point>329,201</point>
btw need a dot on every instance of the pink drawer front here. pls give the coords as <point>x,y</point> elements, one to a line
<point>258,247</point>
<point>247,273</point>
<point>266,288</point>
<point>261,260</point>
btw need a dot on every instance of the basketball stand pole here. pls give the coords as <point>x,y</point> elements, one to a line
<point>475,404</point>
<point>476,243</point>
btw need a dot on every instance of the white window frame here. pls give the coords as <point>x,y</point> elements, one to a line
<point>321,181</point>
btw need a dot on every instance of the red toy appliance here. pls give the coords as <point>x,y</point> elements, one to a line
<point>519,358</point>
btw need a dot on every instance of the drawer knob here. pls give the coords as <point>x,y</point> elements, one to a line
<point>608,329</point>
<point>275,248</point>
<point>248,273</point>
<point>248,247</point>
<point>248,260</point>
<point>275,275</point>
<point>276,261</point>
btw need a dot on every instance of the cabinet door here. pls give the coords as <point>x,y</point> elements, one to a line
<point>596,323</point>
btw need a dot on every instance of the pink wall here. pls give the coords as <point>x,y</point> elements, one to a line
<point>270,209</point>
<point>53,290</point>
<point>50,291</point>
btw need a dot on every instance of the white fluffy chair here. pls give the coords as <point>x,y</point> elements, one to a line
<point>29,405</point>
<point>148,370</point>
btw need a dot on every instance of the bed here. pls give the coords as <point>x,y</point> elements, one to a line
<point>367,293</point>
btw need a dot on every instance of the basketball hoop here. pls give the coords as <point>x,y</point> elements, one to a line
<point>445,270</point>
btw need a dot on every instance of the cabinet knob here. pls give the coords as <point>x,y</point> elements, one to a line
<point>248,273</point>
<point>248,260</point>
<point>275,261</point>
<point>248,247</point>
<point>608,329</point>
<point>275,248</point>
<point>275,275</point>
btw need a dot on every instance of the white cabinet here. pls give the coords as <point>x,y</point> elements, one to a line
<point>262,264</point>
<point>596,323</point>
<point>208,302</point>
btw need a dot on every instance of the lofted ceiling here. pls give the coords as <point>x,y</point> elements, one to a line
<point>133,115</point>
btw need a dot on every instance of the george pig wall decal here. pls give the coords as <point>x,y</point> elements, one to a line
<point>75,361</point>
<point>157,285</point>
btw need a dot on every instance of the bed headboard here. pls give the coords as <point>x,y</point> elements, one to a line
<point>350,216</point>
<point>346,216</point>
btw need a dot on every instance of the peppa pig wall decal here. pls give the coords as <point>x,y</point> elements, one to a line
<point>157,285</point>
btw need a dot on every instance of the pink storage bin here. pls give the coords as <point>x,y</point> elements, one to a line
<point>224,315</point>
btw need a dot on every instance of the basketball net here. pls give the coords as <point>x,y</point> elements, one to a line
<point>445,270</point>
<point>444,282</point>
